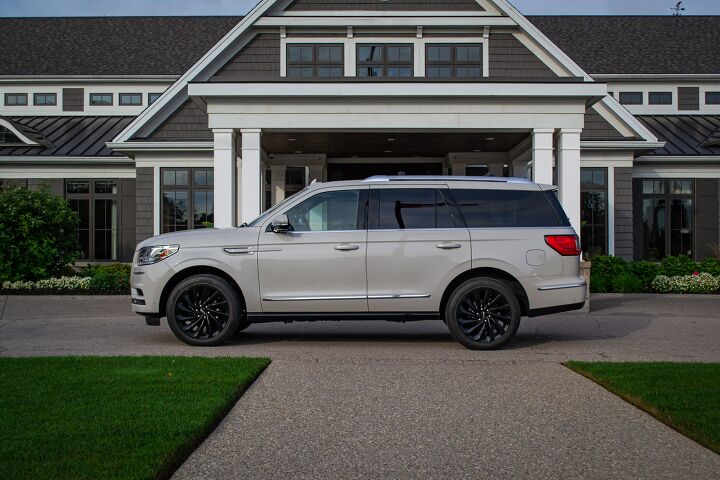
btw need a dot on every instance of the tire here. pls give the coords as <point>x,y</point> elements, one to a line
<point>204,311</point>
<point>483,313</point>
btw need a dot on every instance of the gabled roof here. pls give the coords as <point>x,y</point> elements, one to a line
<point>637,44</point>
<point>693,135</point>
<point>107,45</point>
<point>68,136</point>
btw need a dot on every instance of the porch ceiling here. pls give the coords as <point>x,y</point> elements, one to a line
<point>388,144</point>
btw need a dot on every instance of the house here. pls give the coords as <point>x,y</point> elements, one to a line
<point>156,124</point>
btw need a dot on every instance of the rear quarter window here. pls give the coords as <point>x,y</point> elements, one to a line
<point>509,208</point>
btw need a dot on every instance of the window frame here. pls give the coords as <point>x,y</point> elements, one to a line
<point>454,63</point>
<point>624,102</point>
<point>602,188</point>
<point>385,63</point>
<point>46,95</point>
<point>16,94</point>
<point>150,95</point>
<point>361,222</point>
<point>668,196</point>
<point>91,196</point>
<point>651,102</point>
<point>133,94</point>
<point>710,94</point>
<point>190,188</point>
<point>315,63</point>
<point>112,99</point>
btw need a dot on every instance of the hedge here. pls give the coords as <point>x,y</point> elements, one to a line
<point>93,279</point>
<point>615,275</point>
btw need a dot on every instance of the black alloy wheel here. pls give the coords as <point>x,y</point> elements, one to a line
<point>204,310</point>
<point>483,314</point>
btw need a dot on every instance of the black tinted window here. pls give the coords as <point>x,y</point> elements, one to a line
<point>411,208</point>
<point>507,208</point>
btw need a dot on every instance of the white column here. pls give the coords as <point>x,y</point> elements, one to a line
<point>251,175</point>
<point>277,184</point>
<point>225,177</point>
<point>611,210</point>
<point>542,155</point>
<point>569,174</point>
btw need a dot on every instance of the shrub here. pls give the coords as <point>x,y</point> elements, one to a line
<point>604,270</point>
<point>627,283</point>
<point>111,277</point>
<point>645,273</point>
<point>676,266</point>
<point>62,283</point>
<point>710,265</point>
<point>700,283</point>
<point>37,234</point>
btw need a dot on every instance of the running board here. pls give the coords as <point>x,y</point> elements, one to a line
<point>338,317</point>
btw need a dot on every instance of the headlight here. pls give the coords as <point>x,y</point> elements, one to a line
<point>150,255</point>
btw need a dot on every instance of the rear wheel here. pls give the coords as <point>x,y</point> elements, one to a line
<point>483,314</point>
<point>204,310</point>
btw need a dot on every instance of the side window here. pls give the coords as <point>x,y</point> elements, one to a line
<point>507,208</point>
<point>410,208</point>
<point>328,211</point>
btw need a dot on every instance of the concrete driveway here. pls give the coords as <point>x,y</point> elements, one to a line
<point>372,399</point>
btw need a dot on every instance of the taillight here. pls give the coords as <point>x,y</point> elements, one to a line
<point>565,245</point>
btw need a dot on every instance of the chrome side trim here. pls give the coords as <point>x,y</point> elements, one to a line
<point>239,251</point>
<point>392,296</point>
<point>344,297</point>
<point>560,287</point>
<point>309,299</point>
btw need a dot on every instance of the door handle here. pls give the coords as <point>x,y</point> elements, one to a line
<point>448,246</point>
<point>347,248</point>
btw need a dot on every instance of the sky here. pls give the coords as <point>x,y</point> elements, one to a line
<point>54,8</point>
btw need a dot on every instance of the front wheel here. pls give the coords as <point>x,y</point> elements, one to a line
<point>483,314</point>
<point>204,311</point>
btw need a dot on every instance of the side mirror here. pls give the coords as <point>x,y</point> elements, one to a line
<point>280,224</point>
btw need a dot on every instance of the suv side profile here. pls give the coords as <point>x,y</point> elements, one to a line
<point>476,252</point>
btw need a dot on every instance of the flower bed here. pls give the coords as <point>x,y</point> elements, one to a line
<point>615,275</point>
<point>112,279</point>
<point>696,283</point>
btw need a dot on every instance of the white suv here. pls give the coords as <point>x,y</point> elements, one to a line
<point>475,252</point>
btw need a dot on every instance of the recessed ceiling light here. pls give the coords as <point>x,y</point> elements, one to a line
<point>388,151</point>
<point>391,139</point>
<point>477,150</point>
<point>489,139</point>
<point>297,151</point>
<point>292,139</point>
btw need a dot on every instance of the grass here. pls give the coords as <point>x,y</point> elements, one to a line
<point>112,417</point>
<point>684,396</point>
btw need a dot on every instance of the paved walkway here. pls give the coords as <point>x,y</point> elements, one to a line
<point>369,400</point>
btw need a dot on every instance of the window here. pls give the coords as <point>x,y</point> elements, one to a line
<point>509,208</point>
<point>315,61</point>
<point>130,99</point>
<point>409,208</point>
<point>188,200</point>
<point>660,98</point>
<point>16,99</point>
<point>96,203</point>
<point>385,61</point>
<point>152,97</point>
<point>8,137</point>
<point>454,61</point>
<point>6,183</point>
<point>477,170</point>
<point>667,218</point>
<point>631,98</point>
<point>329,211</point>
<point>711,98</point>
<point>45,99</point>
<point>101,99</point>
<point>593,210</point>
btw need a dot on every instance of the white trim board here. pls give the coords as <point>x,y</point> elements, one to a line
<point>69,171</point>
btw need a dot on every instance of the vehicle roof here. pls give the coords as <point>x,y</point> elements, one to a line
<point>467,182</point>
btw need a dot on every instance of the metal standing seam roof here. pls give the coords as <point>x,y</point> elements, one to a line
<point>68,136</point>
<point>694,135</point>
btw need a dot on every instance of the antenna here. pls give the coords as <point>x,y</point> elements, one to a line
<point>677,9</point>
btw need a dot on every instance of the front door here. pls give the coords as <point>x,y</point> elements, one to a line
<point>415,247</point>
<point>319,266</point>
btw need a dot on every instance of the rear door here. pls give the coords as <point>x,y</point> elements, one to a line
<point>416,246</point>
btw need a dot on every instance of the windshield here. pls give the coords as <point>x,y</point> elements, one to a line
<point>269,213</point>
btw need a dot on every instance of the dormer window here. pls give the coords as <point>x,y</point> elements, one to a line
<point>315,61</point>
<point>8,137</point>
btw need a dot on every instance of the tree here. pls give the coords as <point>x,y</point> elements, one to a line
<point>38,234</point>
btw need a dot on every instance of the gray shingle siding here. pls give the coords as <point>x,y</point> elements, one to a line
<point>188,122</point>
<point>509,58</point>
<point>597,128</point>
<point>144,203</point>
<point>387,5</point>
<point>623,213</point>
<point>73,99</point>
<point>688,98</point>
<point>259,60</point>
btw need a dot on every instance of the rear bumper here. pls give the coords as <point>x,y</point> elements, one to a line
<point>539,312</point>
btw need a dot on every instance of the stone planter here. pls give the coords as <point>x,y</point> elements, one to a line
<point>585,268</point>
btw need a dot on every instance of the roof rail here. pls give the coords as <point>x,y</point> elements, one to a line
<point>444,178</point>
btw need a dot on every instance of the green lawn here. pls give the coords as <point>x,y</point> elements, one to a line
<point>685,396</point>
<point>112,417</point>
